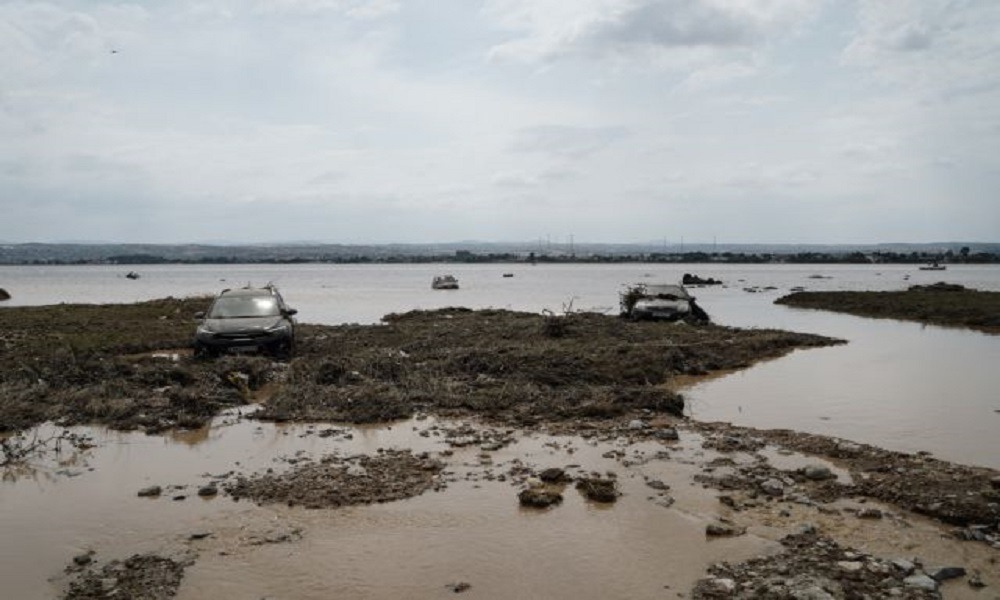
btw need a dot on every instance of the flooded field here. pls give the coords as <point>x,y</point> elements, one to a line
<point>895,384</point>
<point>684,494</point>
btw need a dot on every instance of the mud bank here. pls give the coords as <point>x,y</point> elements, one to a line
<point>937,304</point>
<point>126,366</point>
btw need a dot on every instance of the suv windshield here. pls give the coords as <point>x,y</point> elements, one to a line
<point>235,307</point>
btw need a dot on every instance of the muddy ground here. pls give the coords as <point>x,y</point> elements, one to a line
<point>938,304</point>
<point>590,376</point>
<point>99,364</point>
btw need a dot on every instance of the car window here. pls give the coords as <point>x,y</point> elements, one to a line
<point>234,307</point>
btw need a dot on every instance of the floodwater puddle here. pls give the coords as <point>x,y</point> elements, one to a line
<point>651,541</point>
<point>470,530</point>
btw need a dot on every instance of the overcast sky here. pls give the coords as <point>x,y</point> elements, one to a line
<point>357,121</point>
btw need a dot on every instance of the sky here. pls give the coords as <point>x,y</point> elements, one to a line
<point>379,121</point>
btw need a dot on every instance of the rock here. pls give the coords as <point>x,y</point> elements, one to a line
<point>208,491</point>
<point>668,434</point>
<point>199,535</point>
<point>151,491</point>
<point>84,559</point>
<point>976,582</point>
<point>995,482</point>
<point>4,294</point>
<point>945,573</point>
<point>636,424</point>
<point>773,487</point>
<point>459,587</point>
<point>851,566</point>
<point>818,472</point>
<point>553,475</point>
<point>718,586</point>
<point>870,513</point>
<point>539,497</point>
<point>656,484</point>
<point>903,565</point>
<point>809,591</point>
<point>921,581</point>
<point>720,529</point>
<point>806,529</point>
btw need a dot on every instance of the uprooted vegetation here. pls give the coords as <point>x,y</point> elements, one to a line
<point>938,304</point>
<point>77,364</point>
<point>508,365</point>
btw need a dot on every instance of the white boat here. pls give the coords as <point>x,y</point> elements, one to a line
<point>444,282</point>
<point>934,266</point>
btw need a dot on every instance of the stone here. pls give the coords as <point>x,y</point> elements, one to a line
<point>459,587</point>
<point>773,487</point>
<point>817,472</point>
<point>636,424</point>
<point>870,513</point>
<point>903,565</point>
<point>668,434</point>
<point>851,566</point>
<point>208,491</point>
<point>151,491</point>
<point>945,573</point>
<point>720,529</point>
<point>84,559</point>
<point>921,581</point>
<point>656,484</point>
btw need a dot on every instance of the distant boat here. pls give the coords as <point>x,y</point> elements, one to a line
<point>132,275</point>
<point>508,274</point>
<point>444,282</point>
<point>934,266</point>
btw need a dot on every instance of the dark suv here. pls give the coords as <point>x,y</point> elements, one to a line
<point>246,320</point>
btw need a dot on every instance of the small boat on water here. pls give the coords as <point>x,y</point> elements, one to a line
<point>132,275</point>
<point>508,274</point>
<point>934,266</point>
<point>444,282</point>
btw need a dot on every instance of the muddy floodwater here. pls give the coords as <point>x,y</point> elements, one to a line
<point>471,533</point>
<point>473,530</point>
<point>896,384</point>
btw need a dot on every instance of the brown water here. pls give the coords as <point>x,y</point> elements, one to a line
<point>473,531</point>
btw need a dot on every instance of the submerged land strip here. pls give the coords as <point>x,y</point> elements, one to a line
<point>595,378</point>
<point>950,305</point>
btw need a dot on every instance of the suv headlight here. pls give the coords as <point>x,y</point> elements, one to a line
<point>204,330</point>
<point>280,327</point>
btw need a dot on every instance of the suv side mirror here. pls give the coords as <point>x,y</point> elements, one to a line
<point>199,315</point>
<point>291,311</point>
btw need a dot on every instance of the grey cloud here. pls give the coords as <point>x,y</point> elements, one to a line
<point>641,26</point>
<point>671,23</point>
<point>565,141</point>
<point>909,38</point>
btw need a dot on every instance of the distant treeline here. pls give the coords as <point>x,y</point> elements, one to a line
<point>963,256</point>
